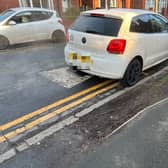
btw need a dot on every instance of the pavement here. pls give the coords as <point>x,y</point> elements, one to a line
<point>143,143</point>
<point>139,143</point>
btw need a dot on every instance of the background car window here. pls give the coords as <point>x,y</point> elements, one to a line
<point>158,24</point>
<point>32,16</point>
<point>97,25</point>
<point>141,24</point>
<point>23,17</point>
<point>6,14</point>
<point>40,15</point>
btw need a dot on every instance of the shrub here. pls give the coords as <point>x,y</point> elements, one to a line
<point>71,12</point>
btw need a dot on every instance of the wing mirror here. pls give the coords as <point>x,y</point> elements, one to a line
<point>11,23</point>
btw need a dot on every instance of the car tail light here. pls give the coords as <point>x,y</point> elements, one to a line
<point>67,37</point>
<point>117,46</point>
<point>97,15</point>
<point>61,21</point>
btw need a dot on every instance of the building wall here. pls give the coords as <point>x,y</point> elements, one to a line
<point>75,3</point>
<point>96,4</point>
<point>58,6</point>
<point>136,4</point>
<point>6,4</point>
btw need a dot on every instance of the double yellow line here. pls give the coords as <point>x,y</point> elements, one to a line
<point>98,89</point>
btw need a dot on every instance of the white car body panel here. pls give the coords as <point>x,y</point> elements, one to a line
<point>31,31</point>
<point>152,48</point>
<point>15,35</point>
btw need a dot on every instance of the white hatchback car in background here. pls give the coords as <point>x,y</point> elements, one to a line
<point>117,43</point>
<point>19,25</point>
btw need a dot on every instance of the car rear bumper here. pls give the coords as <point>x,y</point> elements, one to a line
<point>108,66</point>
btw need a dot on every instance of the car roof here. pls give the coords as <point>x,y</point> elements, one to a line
<point>119,12</point>
<point>30,9</point>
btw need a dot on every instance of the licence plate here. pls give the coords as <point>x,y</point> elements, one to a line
<point>82,59</point>
<point>85,59</point>
<point>74,56</point>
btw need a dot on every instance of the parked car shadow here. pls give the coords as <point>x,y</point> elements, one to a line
<point>30,45</point>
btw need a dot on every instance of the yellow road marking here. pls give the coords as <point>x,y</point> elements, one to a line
<point>44,109</point>
<point>56,112</point>
<point>2,139</point>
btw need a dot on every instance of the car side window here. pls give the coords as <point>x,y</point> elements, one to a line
<point>40,15</point>
<point>141,24</point>
<point>158,24</point>
<point>23,17</point>
<point>31,16</point>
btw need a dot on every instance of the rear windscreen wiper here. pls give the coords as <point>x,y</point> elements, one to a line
<point>92,31</point>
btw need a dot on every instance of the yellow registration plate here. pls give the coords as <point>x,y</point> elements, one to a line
<point>85,59</point>
<point>73,56</point>
<point>82,59</point>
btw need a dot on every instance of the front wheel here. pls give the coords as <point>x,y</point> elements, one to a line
<point>4,43</point>
<point>132,74</point>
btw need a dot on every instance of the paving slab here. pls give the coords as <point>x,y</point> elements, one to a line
<point>143,143</point>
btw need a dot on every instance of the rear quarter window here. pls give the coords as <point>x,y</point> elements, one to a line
<point>141,24</point>
<point>97,25</point>
<point>40,15</point>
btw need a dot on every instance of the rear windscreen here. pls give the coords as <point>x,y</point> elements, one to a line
<point>97,25</point>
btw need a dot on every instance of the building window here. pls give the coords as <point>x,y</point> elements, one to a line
<point>150,5</point>
<point>37,3</point>
<point>163,5</point>
<point>123,3</point>
<point>24,3</point>
<point>65,5</point>
<point>112,3</point>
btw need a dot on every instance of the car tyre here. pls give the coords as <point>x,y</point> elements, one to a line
<point>132,74</point>
<point>58,36</point>
<point>77,71</point>
<point>4,43</point>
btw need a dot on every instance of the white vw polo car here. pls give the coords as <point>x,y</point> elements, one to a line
<point>20,25</point>
<point>117,43</point>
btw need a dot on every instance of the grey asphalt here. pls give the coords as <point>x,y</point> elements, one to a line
<point>143,143</point>
<point>22,87</point>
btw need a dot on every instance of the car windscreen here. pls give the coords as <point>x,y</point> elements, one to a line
<point>6,14</point>
<point>97,25</point>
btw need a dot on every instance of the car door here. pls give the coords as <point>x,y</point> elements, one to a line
<point>42,25</point>
<point>22,30</point>
<point>145,38</point>
<point>160,32</point>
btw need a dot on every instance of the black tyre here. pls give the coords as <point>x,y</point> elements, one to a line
<point>77,71</point>
<point>132,74</point>
<point>58,36</point>
<point>4,43</point>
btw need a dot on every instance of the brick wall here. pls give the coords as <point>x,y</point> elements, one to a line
<point>58,6</point>
<point>6,4</point>
<point>137,4</point>
<point>75,3</point>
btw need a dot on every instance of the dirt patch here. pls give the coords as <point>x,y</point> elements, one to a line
<point>102,121</point>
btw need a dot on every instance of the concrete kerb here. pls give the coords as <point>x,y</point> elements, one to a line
<point>7,155</point>
<point>72,119</point>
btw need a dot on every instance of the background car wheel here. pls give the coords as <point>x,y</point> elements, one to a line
<point>58,36</point>
<point>4,43</point>
<point>132,74</point>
